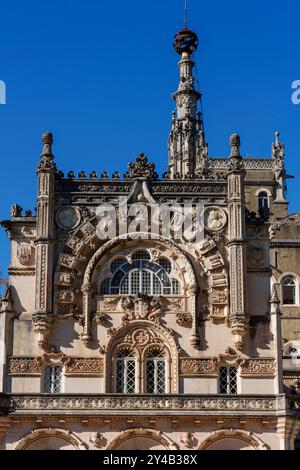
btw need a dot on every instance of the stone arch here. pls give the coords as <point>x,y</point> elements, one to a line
<point>72,265</point>
<point>50,439</point>
<point>136,237</point>
<point>141,439</point>
<point>157,334</point>
<point>232,439</point>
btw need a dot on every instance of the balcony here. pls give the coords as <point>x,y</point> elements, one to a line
<point>147,405</point>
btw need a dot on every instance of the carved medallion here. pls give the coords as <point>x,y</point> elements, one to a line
<point>68,218</point>
<point>215,219</point>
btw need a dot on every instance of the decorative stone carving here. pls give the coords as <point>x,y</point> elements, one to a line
<point>198,367</point>
<point>141,168</point>
<point>96,439</point>
<point>142,337</point>
<point>258,367</point>
<point>24,254</point>
<point>109,304</point>
<point>187,439</point>
<point>66,297</point>
<point>141,307</point>
<point>73,366</point>
<point>215,219</point>
<point>24,366</point>
<point>184,319</point>
<point>85,366</point>
<point>68,218</point>
<point>123,404</point>
<point>67,261</point>
<point>175,305</point>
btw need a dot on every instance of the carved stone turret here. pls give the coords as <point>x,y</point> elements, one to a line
<point>46,171</point>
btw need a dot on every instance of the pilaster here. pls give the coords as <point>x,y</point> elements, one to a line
<point>46,171</point>
<point>236,244</point>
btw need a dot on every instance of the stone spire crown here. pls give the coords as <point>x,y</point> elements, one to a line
<point>187,146</point>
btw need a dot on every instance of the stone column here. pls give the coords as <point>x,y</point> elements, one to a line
<point>42,317</point>
<point>6,314</point>
<point>236,244</point>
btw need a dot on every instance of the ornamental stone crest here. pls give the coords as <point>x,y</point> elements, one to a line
<point>24,254</point>
<point>141,307</point>
<point>141,168</point>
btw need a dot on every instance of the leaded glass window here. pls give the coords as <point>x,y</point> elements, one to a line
<point>228,380</point>
<point>53,379</point>
<point>156,373</point>
<point>125,372</point>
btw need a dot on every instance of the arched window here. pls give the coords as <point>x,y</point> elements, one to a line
<point>142,276</point>
<point>263,205</point>
<point>289,291</point>
<point>156,373</point>
<point>126,372</point>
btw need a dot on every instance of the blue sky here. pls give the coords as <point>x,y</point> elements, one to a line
<point>99,75</point>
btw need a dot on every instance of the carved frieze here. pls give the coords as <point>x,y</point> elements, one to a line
<point>257,367</point>
<point>24,366</point>
<point>73,366</point>
<point>85,366</point>
<point>197,367</point>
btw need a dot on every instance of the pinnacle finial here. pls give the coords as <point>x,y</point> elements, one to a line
<point>47,140</point>
<point>277,138</point>
<point>46,163</point>
<point>235,143</point>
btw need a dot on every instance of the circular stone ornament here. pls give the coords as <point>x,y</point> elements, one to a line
<point>215,219</point>
<point>68,218</point>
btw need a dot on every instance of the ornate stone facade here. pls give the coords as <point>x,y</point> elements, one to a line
<point>146,339</point>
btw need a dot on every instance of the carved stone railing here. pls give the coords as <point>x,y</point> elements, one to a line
<point>142,404</point>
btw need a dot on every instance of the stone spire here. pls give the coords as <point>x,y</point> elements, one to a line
<point>187,146</point>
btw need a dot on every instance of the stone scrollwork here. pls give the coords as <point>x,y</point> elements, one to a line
<point>73,365</point>
<point>258,367</point>
<point>24,366</point>
<point>198,367</point>
<point>184,319</point>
